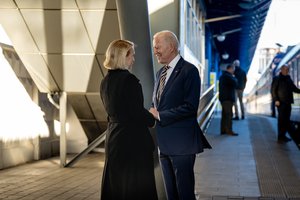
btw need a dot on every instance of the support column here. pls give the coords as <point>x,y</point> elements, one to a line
<point>63,137</point>
<point>36,140</point>
<point>1,155</point>
<point>134,26</point>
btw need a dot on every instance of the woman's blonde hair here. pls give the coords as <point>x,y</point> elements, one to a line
<point>116,53</point>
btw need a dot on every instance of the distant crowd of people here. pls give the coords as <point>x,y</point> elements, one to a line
<point>232,83</point>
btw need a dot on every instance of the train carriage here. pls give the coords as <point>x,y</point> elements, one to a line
<point>259,100</point>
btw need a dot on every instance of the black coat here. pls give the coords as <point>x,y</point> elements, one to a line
<point>129,168</point>
<point>227,86</point>
<point>241,77</point>
<point>282,89</point>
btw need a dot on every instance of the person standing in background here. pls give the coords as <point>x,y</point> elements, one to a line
<point>282,89</point>
<point>227,85</point>
<point>129,166</point>
<point>175,104</point>
<point>241,77</point>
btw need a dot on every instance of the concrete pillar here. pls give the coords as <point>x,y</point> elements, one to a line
<point>1,155</point>
<point>63,134</point>
<point>36,140</point>
<point>134,26</point>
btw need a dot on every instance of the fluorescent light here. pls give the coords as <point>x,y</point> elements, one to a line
<point>221,37</point>
<point>225,56</point>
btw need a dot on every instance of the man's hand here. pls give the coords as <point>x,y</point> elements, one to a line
<point>277,103</point>
<point>154,112</point>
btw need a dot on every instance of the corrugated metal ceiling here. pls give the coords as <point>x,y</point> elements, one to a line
<point>241,21</point>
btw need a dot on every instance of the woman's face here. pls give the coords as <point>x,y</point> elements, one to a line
<point>130,58</point>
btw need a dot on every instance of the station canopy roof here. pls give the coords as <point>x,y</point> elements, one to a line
<point>241,22</point>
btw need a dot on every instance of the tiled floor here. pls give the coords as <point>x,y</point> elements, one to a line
<point>249,166</point>
<point>45,180</point>
<point>229,168</point>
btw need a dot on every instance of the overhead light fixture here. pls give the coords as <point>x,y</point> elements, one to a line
<point>225,56</point>
<point>221,37</point>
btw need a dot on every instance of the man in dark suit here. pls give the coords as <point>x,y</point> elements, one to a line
<point>241,77</point>
<point>282,94</point>
<point>175,103</point>
<point>227,85</point>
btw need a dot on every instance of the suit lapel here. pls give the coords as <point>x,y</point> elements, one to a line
<point>173,76</point>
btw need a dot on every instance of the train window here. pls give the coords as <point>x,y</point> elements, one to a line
<point>295,72</point>
<point>292,74</point>
<point>298,71</point>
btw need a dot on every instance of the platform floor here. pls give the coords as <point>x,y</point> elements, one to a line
<point>249,166</point>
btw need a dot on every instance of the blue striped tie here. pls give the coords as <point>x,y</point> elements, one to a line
<point>162,82</point>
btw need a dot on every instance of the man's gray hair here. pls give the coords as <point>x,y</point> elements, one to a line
<point>169,37</point>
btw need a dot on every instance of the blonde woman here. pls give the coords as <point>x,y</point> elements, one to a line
<point>129,168</point>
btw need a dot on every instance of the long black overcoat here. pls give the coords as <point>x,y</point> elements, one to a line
<point>129,169</point>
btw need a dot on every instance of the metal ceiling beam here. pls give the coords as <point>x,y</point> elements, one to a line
<point>222,18</point>
<point>228,32</point>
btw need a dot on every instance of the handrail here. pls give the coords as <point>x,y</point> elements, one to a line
<point>210,111</point>
<point>207,91</point>
<point>89,148</point>
<point>207,105</point>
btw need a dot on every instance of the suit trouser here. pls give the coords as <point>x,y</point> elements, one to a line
<point>239,95</point>
<point>284,113</point>
<point>179,178</point>
<point>226,120</point>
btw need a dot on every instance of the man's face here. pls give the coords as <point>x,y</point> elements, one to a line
<point>162,50</point>
<point>231,70</point>
<point>284,70</point>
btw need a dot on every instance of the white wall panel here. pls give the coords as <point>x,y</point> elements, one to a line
<point>71,72</point>
<point>101,59</point>
<point>38,70</point>
<point>102,27</point>
<point>98,108</point>
<point>58,31</point>
<point>7,4</point>
<point>16,29</point>
<point>47,4</point>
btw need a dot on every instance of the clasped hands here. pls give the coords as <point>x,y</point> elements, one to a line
<point>154,112</point>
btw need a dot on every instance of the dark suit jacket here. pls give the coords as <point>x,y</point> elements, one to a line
<point>227,86</point>
<point>178,132</point>
<point>282,89</point>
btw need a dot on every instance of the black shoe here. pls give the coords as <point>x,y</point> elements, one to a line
<point>233,133</point>
<point>243,117</point>
<point>235,118</point>
<point>284,139</point>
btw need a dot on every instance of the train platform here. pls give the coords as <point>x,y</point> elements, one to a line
<point>249,166</point>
